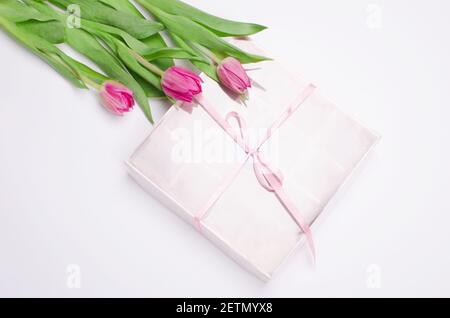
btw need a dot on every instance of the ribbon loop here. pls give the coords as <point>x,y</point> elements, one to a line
<point>241,139</point>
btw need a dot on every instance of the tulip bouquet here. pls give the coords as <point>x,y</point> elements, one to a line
<point>134,61</point>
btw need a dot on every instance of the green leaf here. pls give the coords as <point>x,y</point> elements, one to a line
<point>52,31</point>
<point>45,50</point>
<point>219,26</point>
<point>206,67</point>
<point>56,62</point>
<point>86,71</point>
<point>16,11</point>
<point>192,31</point>
<point>90,26</point>
<point>44,9</point>
<point>157,42</point>
<point>175,53</point>
<point>87,45</point>
<point>123,5</point>
<point>139,47</point>
<point>99,12</point>
<point>132,42</point>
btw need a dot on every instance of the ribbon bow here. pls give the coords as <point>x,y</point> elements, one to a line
<point>270,178</point>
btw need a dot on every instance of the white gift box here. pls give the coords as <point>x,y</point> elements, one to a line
<point>192,165</point>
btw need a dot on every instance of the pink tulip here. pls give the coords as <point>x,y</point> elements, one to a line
<point>233,76</point>
<point>181,84</point>
<point>116,98</point>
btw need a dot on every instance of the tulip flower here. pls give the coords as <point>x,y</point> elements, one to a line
<point>116,98</point>
<point>233,76</point>
<point>181,84</point>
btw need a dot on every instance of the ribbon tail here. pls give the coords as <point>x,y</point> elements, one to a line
<point>298,218</point>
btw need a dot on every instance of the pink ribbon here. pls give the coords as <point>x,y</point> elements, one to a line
<point>270,178</point>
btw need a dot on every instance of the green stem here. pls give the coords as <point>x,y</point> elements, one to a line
<point>208,53</point>
<point>90,82</point>
<point>151,67</point>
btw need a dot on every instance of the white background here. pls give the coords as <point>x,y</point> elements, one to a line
<point>66,198</point>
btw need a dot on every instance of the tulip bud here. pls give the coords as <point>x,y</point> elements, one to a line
<point>181,84</point>
<point>116,98</point>
<point>233,76</point>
